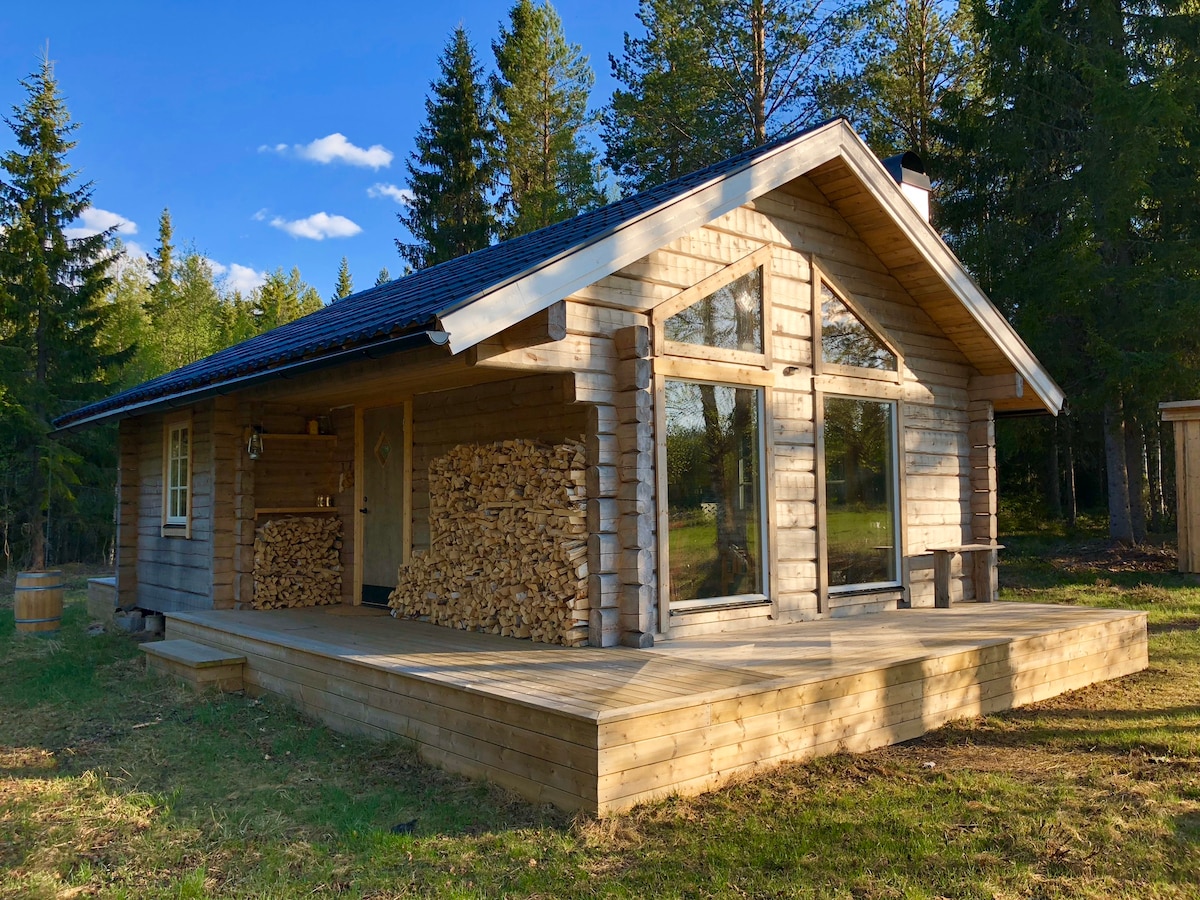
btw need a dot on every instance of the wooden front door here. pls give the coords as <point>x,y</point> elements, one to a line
<point>385,501</point>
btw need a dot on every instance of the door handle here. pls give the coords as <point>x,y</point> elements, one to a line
<point>364,509</point>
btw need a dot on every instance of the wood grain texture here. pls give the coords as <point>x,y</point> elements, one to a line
<point>601,730</point>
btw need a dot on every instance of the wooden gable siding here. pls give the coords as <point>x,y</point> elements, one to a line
<point>802,227</point>
<point>174,573</point>
<point>535,408</point>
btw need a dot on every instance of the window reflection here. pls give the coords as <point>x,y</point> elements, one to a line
<point>845,340</point>
<point>860,491</point>
<point>714,490</point>
<point>730,318</point>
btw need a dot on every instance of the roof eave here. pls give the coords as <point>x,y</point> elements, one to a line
<point>410,341</point>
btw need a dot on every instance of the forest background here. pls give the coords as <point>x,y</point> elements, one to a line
<point>1062,139</point>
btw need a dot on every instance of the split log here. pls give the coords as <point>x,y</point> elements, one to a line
<point>297,562</point>
<point>508,543</point>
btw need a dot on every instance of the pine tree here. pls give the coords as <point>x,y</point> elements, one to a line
<point>51,314</point>
<point>540,97</point>
<point>450,172</point>
<point>908,58</point>
<point>345,283</point>
<point>1083,217</point>
<point>383,277</point>
<point>712,77</point>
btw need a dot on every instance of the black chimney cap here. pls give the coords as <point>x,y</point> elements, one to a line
<point>907,168</point>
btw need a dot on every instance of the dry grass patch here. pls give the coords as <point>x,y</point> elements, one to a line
<point>116,785</point>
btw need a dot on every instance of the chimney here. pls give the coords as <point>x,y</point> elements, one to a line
<point>909,172</point>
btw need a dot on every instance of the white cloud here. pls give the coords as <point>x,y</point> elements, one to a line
<point>403,196</point>
<point>94,220</point>
<point>260,216</point>
<point>317,227</point>
<point>336,148</point>
<point>237,277</point>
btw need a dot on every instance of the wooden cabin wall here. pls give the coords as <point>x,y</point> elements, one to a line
<point>174,573</point>
<point>803,228</point>
<point>537,408</point>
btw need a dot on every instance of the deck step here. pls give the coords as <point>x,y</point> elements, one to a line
<point>199,665</point>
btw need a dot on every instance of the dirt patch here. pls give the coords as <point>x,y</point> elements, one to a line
<point>1102,556</point>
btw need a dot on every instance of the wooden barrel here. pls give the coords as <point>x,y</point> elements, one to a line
<point>38,602</point>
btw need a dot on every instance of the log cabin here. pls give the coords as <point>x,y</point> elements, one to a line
<point>759,395</point>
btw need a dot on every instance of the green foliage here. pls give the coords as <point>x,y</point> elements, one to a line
<point>51,316</point>
<point>907,58</point>
<point>713,77</point>
<point>282,299</point>
<point>1073,196</point>
<point>383,277</point>
<point>539,100</point>
<point>345,282</point>
<point>450,172</point>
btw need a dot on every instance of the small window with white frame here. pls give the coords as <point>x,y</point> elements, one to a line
<point>177,475</point>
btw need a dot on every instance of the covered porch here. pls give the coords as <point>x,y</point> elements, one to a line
<point>602,730</point>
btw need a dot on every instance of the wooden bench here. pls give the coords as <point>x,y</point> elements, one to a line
<point>982,559</point>
<point>199,665</point>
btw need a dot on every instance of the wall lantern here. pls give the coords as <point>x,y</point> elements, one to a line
<point>254,447</point>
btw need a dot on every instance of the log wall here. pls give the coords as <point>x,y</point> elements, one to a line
<point>172,573</point>
<point>946,442</point>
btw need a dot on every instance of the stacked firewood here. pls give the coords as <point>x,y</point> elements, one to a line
<point>297,562</point>
<point>508,547</point>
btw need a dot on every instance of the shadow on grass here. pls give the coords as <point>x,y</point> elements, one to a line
<point>234,765</point>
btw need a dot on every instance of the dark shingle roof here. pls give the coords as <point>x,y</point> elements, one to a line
<point>375,318</point>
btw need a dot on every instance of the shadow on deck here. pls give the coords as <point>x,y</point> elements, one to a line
<point>602,730</point>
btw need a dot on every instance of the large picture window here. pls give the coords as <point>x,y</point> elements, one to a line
<point>860,493</point>
<point>714,450</point>
<point>177,473</point>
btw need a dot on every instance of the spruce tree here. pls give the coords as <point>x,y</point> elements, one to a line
<point>345,283</point>
<point>383,277</point>
<point>51,311</point>
<point>1080,212</point>
<point>540,97</point>
<point>282,299</point>
<point>450,172</point>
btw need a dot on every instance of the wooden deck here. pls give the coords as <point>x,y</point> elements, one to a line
<point>602,730</point>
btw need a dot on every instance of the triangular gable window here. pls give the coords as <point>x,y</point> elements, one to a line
<point>730,318</point>
<point>847,341</point>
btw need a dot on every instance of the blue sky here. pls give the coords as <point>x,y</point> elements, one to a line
<point>276,133</point>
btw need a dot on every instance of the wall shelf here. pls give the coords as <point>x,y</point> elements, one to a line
<point>268,436</point>
<point>293,510</point>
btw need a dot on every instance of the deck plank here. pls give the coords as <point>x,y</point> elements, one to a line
<point>602,730</point>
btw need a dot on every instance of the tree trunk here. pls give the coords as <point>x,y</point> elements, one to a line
<point>1154,473</point>
<point>1072,509</point>
<point>1053,475</point>
<point>1135,469</point>
<point>1120,526</point>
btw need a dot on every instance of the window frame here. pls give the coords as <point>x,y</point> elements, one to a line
<point>854,383</point>
<point>828,590</point>
<point>701,604</point>
<point>729,368</point>
<point>821,278</point>
<point>177,526</point>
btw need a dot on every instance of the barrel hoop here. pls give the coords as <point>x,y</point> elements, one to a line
<point>45,587</point>
<point>38,621</point>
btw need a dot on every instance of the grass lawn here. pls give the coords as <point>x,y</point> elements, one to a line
<point>116,785</point>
